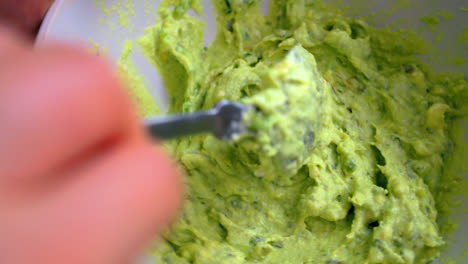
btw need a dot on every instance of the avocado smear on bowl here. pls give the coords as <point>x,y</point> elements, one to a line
<point>348,145</point>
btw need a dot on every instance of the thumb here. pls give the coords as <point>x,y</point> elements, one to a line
<point>120,201</point>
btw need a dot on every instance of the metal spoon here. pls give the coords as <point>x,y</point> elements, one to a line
<point>224,121</point>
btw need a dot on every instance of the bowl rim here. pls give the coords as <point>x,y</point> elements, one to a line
<point>49,20</point>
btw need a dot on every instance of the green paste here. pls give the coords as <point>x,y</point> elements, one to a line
<point>464,37</point>
<point>134,83</point>
<point>347,145</point>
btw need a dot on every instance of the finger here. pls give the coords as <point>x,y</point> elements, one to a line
<point>10,44</point>
<point>134,200</point>
<point>59,102</point>
<point>125,198</point>
<point>24,15</point>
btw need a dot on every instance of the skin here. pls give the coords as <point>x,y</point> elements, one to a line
<point>24,15</point>
<point>80,181</point>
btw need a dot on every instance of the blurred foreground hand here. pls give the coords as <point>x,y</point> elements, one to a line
<point>23,15</point>
<point>79,180</point>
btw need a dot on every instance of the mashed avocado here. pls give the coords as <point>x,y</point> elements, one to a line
<point>348,142</point>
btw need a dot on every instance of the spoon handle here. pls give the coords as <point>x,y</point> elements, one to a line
<point>174,126</point>
<point>224,121</point>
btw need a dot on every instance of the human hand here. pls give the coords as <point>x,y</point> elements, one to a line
<point>24,15</point>
<point>79,180</point>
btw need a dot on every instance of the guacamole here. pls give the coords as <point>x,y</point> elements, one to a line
<point>346,148</point>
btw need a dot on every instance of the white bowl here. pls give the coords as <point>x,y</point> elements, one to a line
<point>85,21</point>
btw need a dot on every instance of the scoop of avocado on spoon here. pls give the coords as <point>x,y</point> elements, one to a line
<point>279,121</point>
<point>289,115</point>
